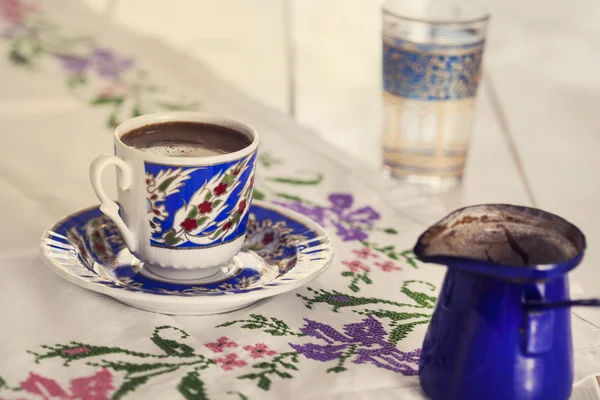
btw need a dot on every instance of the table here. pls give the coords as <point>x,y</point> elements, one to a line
<point>56,127</point>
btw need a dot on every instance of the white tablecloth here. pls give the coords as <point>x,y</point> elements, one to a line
<point>67,76</point>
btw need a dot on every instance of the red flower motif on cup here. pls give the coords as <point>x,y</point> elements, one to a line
<point>205,207</point>
<point>242,207</point>
<point>236,171</point>
<point>189,224</point>
<point>259,350</point>
<point>226,226</point>
<point>220,189</point>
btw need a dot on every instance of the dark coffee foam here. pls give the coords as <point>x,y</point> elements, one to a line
<point>185,139</point>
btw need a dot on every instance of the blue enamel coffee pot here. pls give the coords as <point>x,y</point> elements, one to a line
<point>501,329</point>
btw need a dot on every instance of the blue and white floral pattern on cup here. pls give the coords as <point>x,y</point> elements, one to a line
<point>184,216</point>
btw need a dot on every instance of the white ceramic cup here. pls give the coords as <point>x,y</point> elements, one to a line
<point>185,217</point>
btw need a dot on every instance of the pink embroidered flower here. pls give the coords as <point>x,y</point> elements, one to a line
<point>14,11</point>
<point>356,266</point>
<point>388,266</point>
<point>230,361</point>
<point>220,344</point>
<point>95,387</point>
<point>76,350</point>
<point>365,253</point>
<point>259,350</point>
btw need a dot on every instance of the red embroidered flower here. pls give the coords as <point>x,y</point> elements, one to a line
<point>268,238</point>
<point>189,224</point>
<point>365,253</point>
<point>97,387</point>
<point>76,350</point>
<point>388,266</point>
<point>242,207</point>
<point>356,266</point>
<point>226,226</point>
<point>230,361</point>
<point>220,189</point>
<point>259,350</point>
<point>236,171</point>
<point>220,344</point>
<point>205,207</point>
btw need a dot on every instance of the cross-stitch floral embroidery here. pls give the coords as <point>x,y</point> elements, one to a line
<point>363,342</point>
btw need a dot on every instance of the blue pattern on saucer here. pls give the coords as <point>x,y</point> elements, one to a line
<point>88,245</point>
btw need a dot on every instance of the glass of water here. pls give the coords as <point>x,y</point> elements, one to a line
<point>432,53</point>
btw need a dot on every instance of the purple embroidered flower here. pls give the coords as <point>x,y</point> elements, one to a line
<point>317,214</point>
<point>350,224</point>
<point>73,64</point>
<point>108,65</point>
<point>365,339</point>
<point>347,233</point>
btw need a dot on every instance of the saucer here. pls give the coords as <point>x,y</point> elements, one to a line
<point>283,250</point>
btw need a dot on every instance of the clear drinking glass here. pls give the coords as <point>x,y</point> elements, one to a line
<point>432,53</point>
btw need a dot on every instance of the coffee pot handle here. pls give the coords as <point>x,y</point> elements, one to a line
<point>537,305</point>
<point>108,206</point>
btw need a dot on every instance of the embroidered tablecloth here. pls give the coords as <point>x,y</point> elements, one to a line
<point>68,77</point>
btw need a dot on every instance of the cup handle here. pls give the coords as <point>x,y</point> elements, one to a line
<point>108,206</point>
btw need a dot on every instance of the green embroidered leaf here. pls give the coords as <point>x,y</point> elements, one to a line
<point>252,326</point>
<point>336,369</point>
<point>193,213</point>
<point>165,185</point>
<point>266,160</point>
<point>402,331</point>
<point>178,107</point>
<point>137,111</point>
<point>391,231</point>
<point>264,383</point>
<point>226,324</point>
<point>107,100</point>
<point>258,195</point>
<point>294,181</point>
<point>172,347</point>
<point>248,376</point>
<point>288,366</point>
<point>347,273</point>
<point>112,121</point>
<point>192,387</point>
<point>387,248</point>
<point>208,196</point>
<point>216,203</point>
<point>242,396</point>
<point>2,383</point>
<point>262,365</point>
<point>170,238</point>
<point>129,385</point>
<point>283,374</point>
<point>76,80</point>
<point>202,220</point>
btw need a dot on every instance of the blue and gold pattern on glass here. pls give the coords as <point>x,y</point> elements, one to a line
<point>196,207</point>
<point>431,72</point>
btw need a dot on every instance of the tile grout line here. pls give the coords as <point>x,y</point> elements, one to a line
<point>494,99</point>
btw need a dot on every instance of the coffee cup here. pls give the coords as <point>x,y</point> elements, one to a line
<point>185,182</point>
